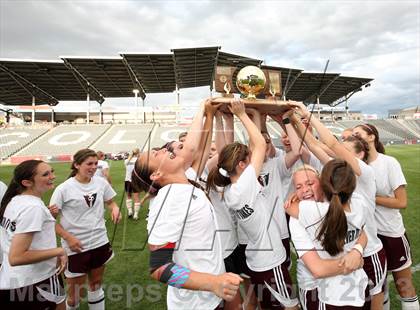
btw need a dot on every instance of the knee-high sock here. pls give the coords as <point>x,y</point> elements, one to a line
<point>128,204</point>
<point>96,299</point>
<point>136,207</point>
<point>410,303</point>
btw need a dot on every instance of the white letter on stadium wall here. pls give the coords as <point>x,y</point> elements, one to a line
<point>18,134</point>
<point>83,136</point>
<point>116,139</point>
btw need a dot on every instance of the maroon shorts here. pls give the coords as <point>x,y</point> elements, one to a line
<point>309,299</point>
<point>240,259</point>
<point>286,244</point>
<point>45,294</point>
<point>81,263</point>
<point>398,253</point>
<point>375,268</point>
<point>129,188</point>
<point>281,293</point>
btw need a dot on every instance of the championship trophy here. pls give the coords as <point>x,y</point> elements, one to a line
<point>253,83</point>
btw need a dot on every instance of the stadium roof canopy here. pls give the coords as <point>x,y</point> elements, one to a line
<point>116,77</point>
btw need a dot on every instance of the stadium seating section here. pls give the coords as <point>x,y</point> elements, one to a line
<point>67,139</point>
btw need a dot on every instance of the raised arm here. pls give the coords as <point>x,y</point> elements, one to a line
<point>219,139</point>
<point>295,144</point>
<point>193,138</point>
<point>256,140</point>
<point>200,162</point>
<point>229,135</point>
<point>329,140</point>
<point>310,141</point>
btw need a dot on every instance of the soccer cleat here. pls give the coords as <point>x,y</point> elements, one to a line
<point>136,216</point>
<point>130,212</point>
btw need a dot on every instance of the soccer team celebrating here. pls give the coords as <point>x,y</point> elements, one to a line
<point>222,215</point>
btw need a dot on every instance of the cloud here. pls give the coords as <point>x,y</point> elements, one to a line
<point>377,39</point>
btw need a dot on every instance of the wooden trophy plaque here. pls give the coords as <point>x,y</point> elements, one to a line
<point>271,90</point>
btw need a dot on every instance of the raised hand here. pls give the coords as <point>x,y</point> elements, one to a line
<point>237,107</point>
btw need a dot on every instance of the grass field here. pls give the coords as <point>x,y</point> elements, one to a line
<point>127,281</point>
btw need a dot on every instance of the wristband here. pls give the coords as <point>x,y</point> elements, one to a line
<point>286,121</point>
<point>358,248</point>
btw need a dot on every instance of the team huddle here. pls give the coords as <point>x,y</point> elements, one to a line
<point>222,215</point>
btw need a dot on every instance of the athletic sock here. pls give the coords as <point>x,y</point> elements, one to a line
<point>128,204</point>
<point>96,299</point>
<point>136,210</point>
<point>410,303</point>
<point>71,307</point>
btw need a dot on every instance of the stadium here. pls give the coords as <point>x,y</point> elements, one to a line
<point>32,129</point>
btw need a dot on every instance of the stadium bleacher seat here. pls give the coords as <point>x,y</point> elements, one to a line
<point>65,139</point>
<point>122,138</point>
<point>14,139</point>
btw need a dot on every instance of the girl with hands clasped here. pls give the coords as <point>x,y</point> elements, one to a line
<point>192,267</point>
<point>237,173</point>
<point>29,277</point>
<point>80,201</point>
<point>355,152</point>
<point>329,237</point>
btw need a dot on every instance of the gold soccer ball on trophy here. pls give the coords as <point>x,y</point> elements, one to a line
<point>250,81</point>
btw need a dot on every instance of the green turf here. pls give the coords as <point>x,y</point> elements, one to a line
<point>127,281</point>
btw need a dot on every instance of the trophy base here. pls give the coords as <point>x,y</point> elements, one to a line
<point>266,106</point>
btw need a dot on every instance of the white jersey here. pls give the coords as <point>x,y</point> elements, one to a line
<point>3,189</point>
<point>340,290</point>
<point>27,214</point>
<point>226,221</point>
<point>303,243</point>
<point>272,190</point>
<point>264,248</point>
<point>82,211</point>
<point>193,227</point>
<point>365,187</point>
<point>129,167</point>
<point>388,177</point>
<point>102,165</point>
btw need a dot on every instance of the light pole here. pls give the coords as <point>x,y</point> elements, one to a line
<point>136,96</point>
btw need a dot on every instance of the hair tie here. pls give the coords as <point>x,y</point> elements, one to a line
<point>223,172</point>
<point>335,193</point>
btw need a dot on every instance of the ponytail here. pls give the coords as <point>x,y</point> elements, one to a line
<point>379,146</point>
<point>338,182</point>
<point>24,171</point>
<point>229,158</point>
<point>215,178</point>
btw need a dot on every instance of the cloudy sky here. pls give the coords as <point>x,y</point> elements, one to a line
<point>376,39</point>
